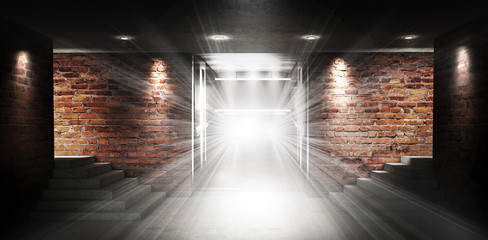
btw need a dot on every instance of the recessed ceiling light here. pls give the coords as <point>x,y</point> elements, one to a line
<point>311,37</point>
<point>124,38</point>
<point>219,37</point>
<point>409,37</point>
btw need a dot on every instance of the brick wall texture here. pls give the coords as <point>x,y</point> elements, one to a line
<point>367,109</point>
<point>461,108</point>
<point>133,110</point>
<point>26,120</point>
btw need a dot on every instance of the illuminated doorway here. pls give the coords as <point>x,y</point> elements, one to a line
<point>249,117</point>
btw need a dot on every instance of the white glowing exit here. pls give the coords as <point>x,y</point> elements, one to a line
<point>244,107</point>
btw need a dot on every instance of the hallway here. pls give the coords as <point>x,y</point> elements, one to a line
<point>238,119</point>
<point>253,194</point>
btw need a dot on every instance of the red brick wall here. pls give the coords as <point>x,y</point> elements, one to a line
<point>368,109</point>
<point>26,120</point>
<point>133,110</point>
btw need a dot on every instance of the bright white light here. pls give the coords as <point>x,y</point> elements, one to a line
<point>253,110</point>
<point>124,38</point>
<point>220,37</point>
<point>311,37</point>
<point>252,129</point>
<point>250,62</point>
<point>252,206</point>
<point>409,37</point>
<point>243,129</point>
<point>253,79</point>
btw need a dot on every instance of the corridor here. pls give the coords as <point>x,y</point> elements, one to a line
<point>254,193</point>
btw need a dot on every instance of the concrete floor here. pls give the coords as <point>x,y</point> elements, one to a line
<point>255,193</point>
<point>217,216</point>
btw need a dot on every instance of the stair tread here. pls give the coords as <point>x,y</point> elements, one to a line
<point>67,162</point>
<point>372,223</point>
<point>135,212</point>
<point>417,160</point>
<point>135,191</point>
<point>94,182</point>
<point>401,177</point>
<point>84,171</point>
<point>404,181</point>
<point>144,203</point>
<point>370,183</point>
<point>384,191</point>
<point>123,201</point>
<point>71,157</point>
<point>88,166</point>
<point>363,195</point>
<point>414,214</point>
<point>102,175</point>
<point>96,177</point>
<point>119,184</point>
<point>409,167</point>
<point>108,188</point>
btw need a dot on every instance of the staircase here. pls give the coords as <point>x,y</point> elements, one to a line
<point>82,189</point>
<point>404,202</point>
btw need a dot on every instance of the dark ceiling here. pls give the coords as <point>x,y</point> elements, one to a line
<point>253,26</point>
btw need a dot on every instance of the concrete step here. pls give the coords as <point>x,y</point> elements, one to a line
<point>121,203</point>
<point>349,227</point>
<point>137,212</point>
<point>107,192</point>
<point>84,171</point>
<point>406,183</point>
<point>374,203</point>
<point>409,171</point>
<point>63,162</point>
<point>96,181</point>
<point>418,161</point>
<point>414,219</point>
<point>386,192</point>
<point>373,186</point>
<point>374,224</point>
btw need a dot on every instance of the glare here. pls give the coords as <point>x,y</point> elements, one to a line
<point>253,110</point>
<point>251,128</point>
<point>252,79</point>
<point>256,206</point>
<point>311,37</point>
<point>409,37</point>
<point>22,59</point>
<point>219,37</point>
<point>249,62</point>
<point>463,62</point>
<point>124,37</point>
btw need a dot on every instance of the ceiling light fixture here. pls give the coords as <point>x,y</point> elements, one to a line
<point>311,37</point>
<point>409,37</point>
<point>253,110</point>
<point>219,37</point>
<point>124,38</point>
<point>252,79</point>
